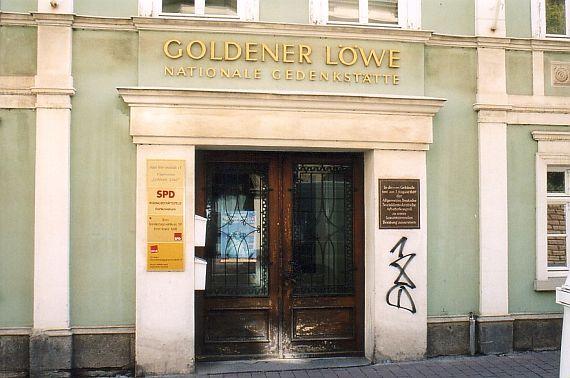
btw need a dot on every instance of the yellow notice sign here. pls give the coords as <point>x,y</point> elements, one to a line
<point>165,221</point>
<point>165,257</point>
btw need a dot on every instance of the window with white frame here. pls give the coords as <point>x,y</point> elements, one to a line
<point>557,17</point>
<point>552,208</point>
<point>397,13</point>
<point>550,18</point>
<point>246,10</point>
<point>557,213</point>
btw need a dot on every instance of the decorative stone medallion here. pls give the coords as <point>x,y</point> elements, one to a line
<point>560,74</point>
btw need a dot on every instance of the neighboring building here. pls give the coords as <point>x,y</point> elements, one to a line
<point>372,173</point>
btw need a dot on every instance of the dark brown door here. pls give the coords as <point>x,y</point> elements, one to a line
<point>284,250</point>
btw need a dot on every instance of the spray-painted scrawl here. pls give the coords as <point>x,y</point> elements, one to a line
<point>399,296</point>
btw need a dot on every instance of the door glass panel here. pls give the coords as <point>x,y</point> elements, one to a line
<point>322,256</point>
<point>236,234</point>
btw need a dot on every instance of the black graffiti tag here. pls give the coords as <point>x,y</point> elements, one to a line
<point>403,281</point>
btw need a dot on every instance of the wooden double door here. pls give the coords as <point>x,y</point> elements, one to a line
<point>284,246</point>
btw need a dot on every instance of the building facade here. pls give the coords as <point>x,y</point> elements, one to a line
<point>388,179</point>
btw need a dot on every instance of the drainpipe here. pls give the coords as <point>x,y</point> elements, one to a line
<point>563,298</point>
<point>472,330</point>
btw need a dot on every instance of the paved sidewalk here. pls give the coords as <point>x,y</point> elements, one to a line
<point>530,364</point>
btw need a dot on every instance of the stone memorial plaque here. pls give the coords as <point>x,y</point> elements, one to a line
<point>399,203</point>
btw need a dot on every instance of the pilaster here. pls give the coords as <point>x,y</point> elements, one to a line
<point>396,264</point>
<point>493,111</point>
<point>50,340</point>
<point>490,18</point>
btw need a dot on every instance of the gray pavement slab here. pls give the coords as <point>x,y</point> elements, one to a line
<point>528,364</point>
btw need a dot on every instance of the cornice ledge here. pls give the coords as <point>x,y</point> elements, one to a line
<point>103,23</point>
<point>54,19</point>
<point>53,91</point>
<point>492,107</point>
<point>17,19</point>
<point>452,40</point>
<point>281,100</point>
<point>557,44</point>
<point>493,42</point>
<point>268,28</point>
<point>551,136</point>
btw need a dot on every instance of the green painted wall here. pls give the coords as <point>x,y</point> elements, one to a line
<point>550,90</point>
<point>517,18</point>
<point>519,72</point>
<point>24,6</point>
<point>290,11</point>
<point>103,180</point>
<point>522,222</point>
<point>17,155</point>
<point>453,246</point>
<point>108,8</point>
<point>18,46</point>
<point>449,16</point>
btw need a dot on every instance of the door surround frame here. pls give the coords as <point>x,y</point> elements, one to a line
<point>390,130</point>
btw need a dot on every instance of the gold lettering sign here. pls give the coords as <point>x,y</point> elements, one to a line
<point>165,220</point>
<point>367,65</point>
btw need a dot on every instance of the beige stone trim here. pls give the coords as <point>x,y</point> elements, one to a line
<point>550,136</point>
<point>16,19</point>
<point>15,92</point>
<point>103,330</point>
<point>16,101</point>
<point>361,32</point>
<point>447,319</point>
<point>100,330</point>
<point>103,23</point>
<point>286,119</point>
<point>549,284</point>
<point>495,318</point>
<point>510,317</point>
<point>53,86</point>
<point>280,145</point>
<point>53,19</point>
<point>527,110</point>
<point>538,73</point>
<point>15,331</point>
<point>282,100</point>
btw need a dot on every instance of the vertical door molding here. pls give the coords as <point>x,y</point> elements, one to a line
<point>164,300</point>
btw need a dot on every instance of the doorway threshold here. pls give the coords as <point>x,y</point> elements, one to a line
<point>278,364</point>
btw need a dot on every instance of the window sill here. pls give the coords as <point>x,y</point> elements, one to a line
<point>198,17</point>
<point>364,24</point>
<point>557,37</point>
<point>550,284</point>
